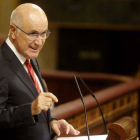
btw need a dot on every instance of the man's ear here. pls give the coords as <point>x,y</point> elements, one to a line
<point>13,31</point>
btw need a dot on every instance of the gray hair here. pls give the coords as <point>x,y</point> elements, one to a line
<point>16,18</point>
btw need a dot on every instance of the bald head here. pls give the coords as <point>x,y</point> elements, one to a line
<point>28,29</point>
<point>25,12</point>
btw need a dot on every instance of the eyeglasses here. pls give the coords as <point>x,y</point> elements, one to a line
<point>34,36</point>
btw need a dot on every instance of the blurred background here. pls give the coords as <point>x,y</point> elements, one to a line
<point>87,35</point>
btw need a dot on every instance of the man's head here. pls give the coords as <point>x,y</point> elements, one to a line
<point>26,20</point>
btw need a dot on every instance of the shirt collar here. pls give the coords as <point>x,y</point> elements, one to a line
<point>21,58</point>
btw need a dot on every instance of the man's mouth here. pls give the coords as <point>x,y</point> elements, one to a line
<point>36,48</point>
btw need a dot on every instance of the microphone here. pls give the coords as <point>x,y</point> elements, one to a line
<point>83,105</point>
<point>96,101</point>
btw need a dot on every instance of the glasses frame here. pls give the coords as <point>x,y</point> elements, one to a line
<point>36,35</point>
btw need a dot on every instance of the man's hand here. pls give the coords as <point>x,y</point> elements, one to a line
<point>62,127</point>
<point>43,102</point>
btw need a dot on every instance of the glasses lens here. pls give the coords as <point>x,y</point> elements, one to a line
<point>42,36</point>
<point>33,36</point>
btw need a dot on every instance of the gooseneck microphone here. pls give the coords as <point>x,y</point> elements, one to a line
<point>83,105</point>
<point>96,101</point>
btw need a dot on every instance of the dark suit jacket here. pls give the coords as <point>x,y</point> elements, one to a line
<point>17,92</point>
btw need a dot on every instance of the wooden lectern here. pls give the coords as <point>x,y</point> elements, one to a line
<point>123,129</point>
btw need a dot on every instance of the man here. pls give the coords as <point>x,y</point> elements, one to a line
<point>24,101</point>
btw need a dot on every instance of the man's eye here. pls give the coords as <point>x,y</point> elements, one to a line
<point>43,34</point>
<point>32,35</point>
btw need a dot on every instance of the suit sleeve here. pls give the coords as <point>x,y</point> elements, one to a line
<point>35,61</point>
<point>51,118</point>
<point>15,116</point>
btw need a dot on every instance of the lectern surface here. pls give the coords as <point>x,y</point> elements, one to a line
<point>95,137</point>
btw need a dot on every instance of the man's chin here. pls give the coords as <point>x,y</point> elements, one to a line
<point>32,56</point>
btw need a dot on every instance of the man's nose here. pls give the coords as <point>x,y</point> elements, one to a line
<point>38,41</point>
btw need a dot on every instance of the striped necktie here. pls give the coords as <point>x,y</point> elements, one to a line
<point>32,75</point>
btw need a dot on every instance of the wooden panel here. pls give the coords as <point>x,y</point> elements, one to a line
<point>62,84</point>
<point>110,112</point>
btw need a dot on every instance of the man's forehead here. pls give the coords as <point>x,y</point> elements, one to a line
<point>38,31</point>
<point>36,16</point>
<point>33,27</point>
<point>35,21</point>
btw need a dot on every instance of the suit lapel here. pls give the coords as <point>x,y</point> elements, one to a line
<point>18,69</point>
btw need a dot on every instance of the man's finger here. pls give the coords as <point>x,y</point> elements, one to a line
<point>77,132</point>
<point>52,96</point>
<point>73,131</point>
<point>65,127</point>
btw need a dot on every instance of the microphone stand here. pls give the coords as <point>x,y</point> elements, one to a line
<point>96,101</point>
<point>83,105</point>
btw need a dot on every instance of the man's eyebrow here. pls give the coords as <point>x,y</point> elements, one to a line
<point>34,31</point>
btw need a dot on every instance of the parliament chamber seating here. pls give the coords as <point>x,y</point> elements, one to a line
<point>117,94</point>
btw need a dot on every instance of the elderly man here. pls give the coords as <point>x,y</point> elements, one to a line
<point>24,101</point>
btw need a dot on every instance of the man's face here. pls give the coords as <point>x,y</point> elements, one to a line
<point>23,43</point>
